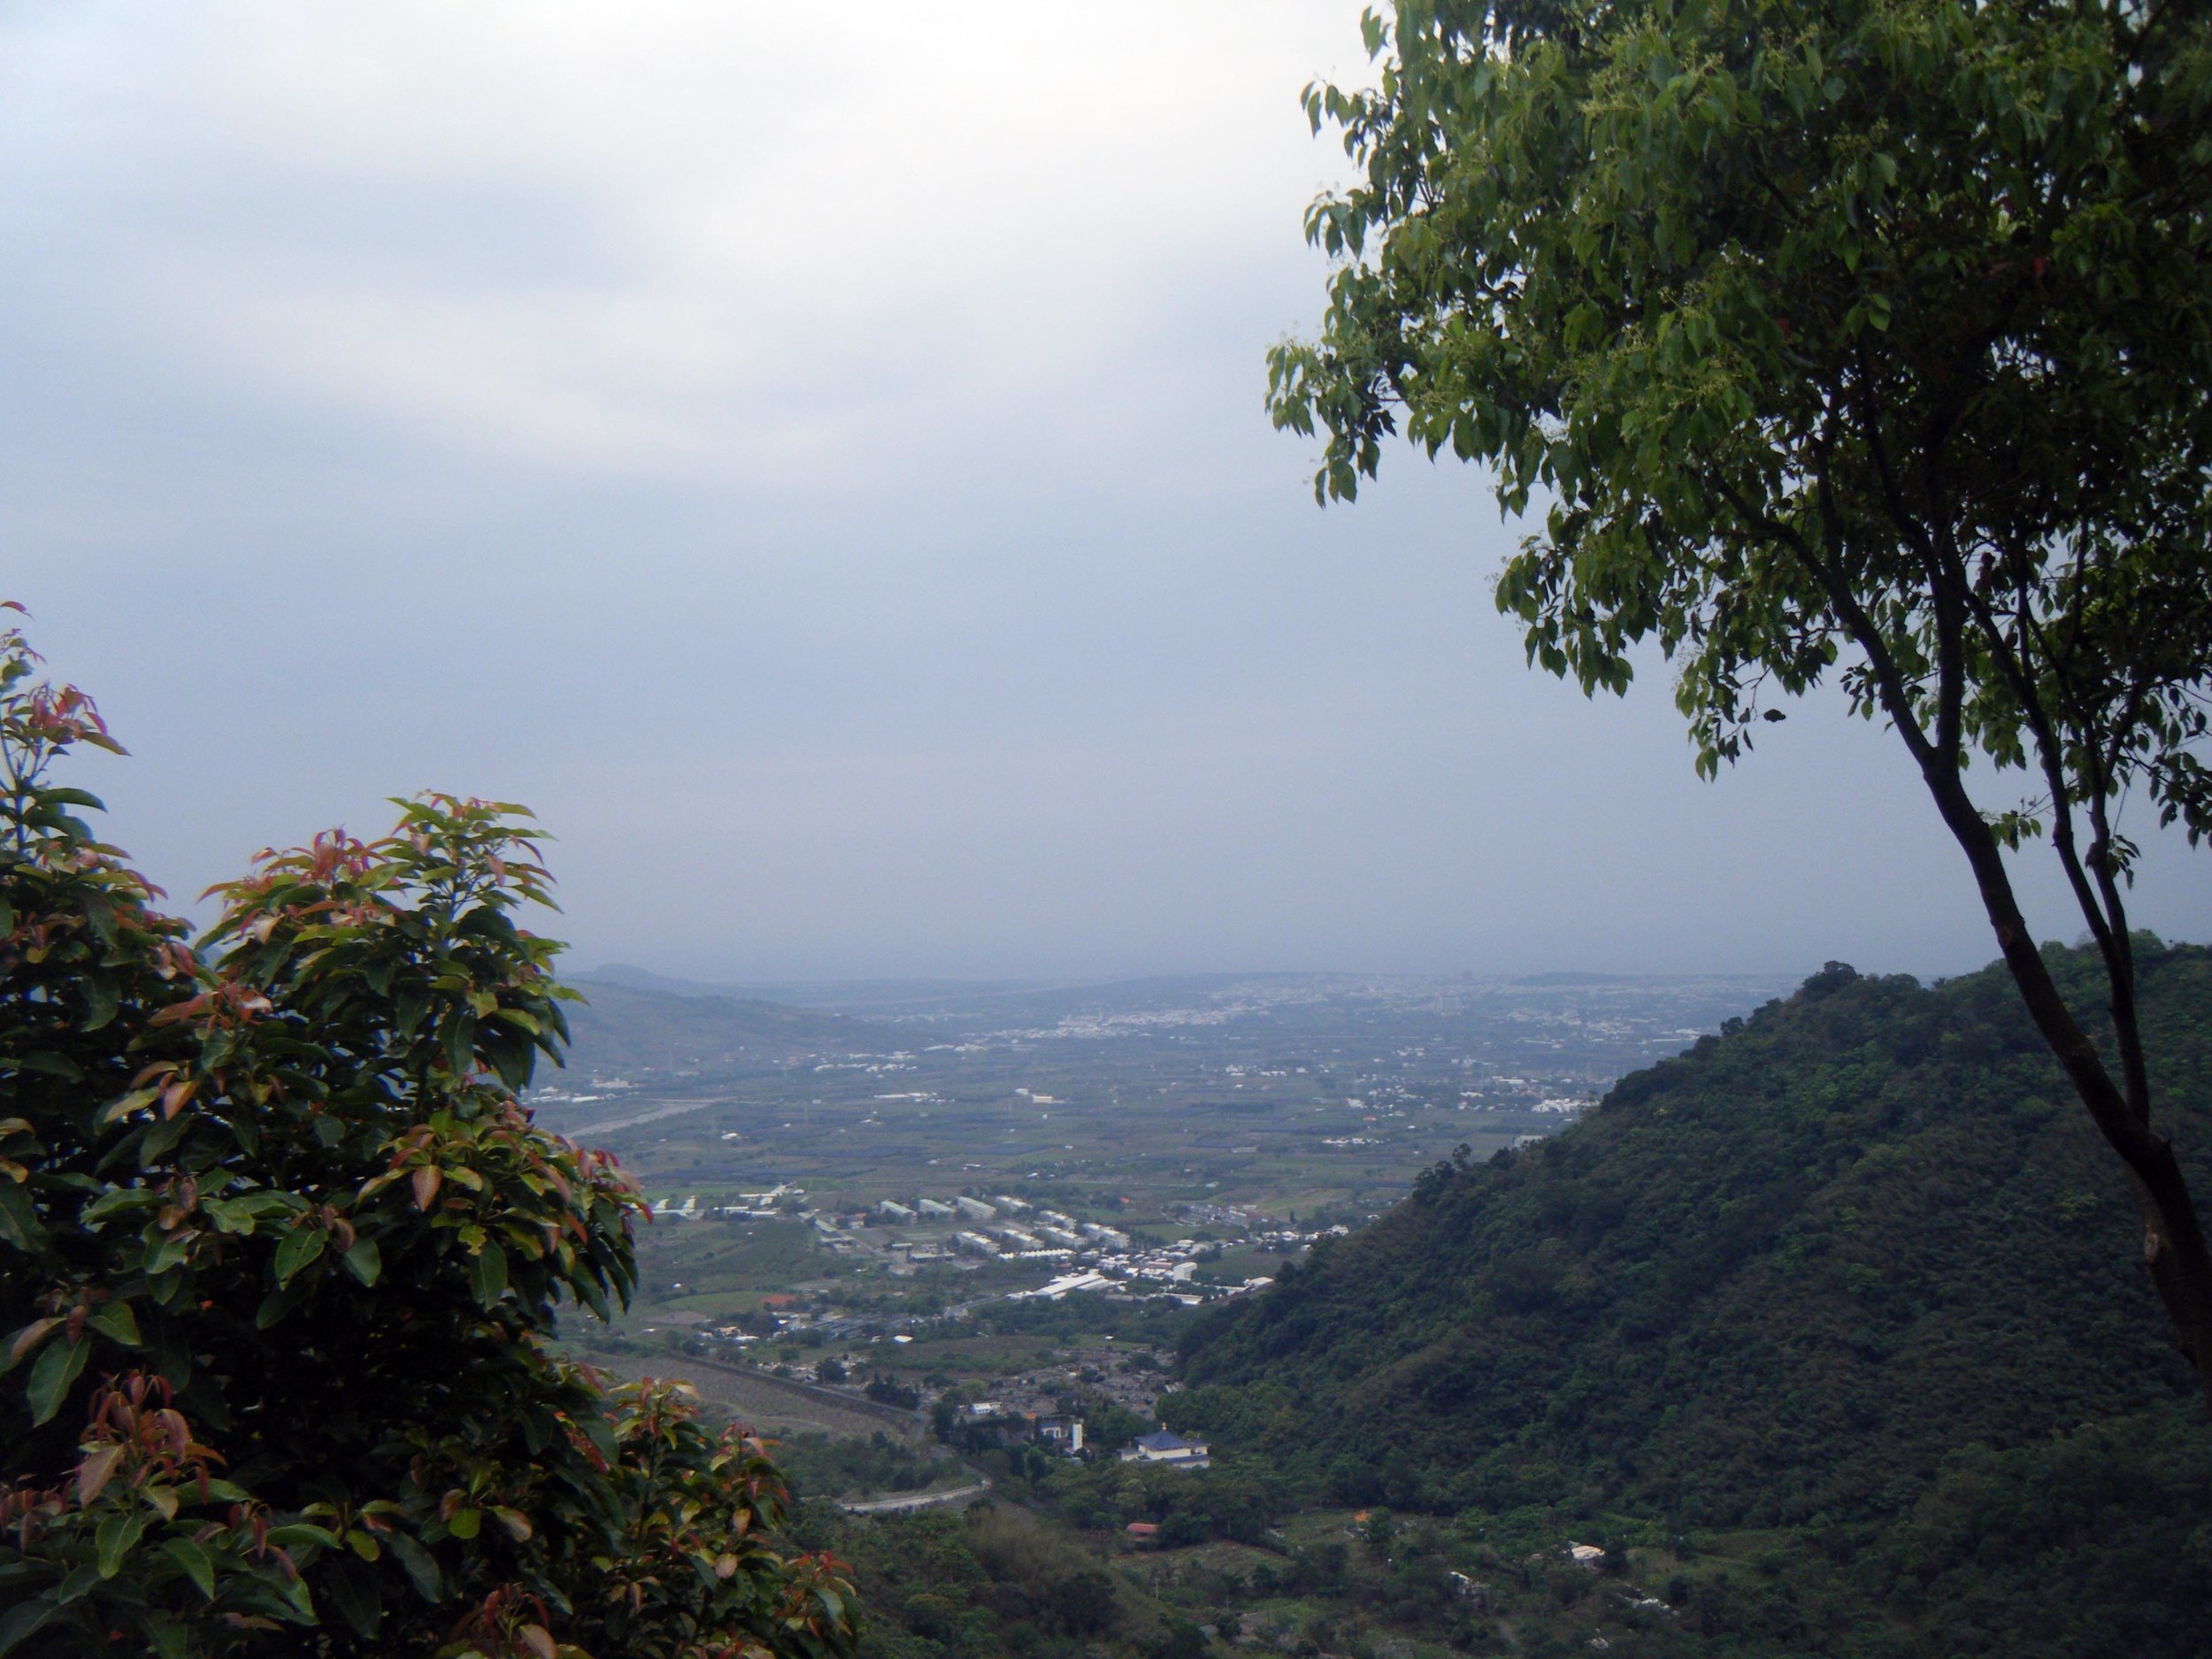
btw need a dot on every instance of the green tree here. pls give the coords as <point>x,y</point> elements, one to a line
<point>1869,339</point>
<point>1109,1427</point>
<point>279,1254</point>
<point>1379,1534</point>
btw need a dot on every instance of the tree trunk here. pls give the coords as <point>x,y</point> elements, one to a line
<point>2175,1251</point>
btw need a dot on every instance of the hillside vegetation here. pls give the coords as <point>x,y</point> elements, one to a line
<point>1855,1271</point>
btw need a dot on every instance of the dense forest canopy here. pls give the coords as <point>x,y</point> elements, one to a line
<point>1782,1274</point>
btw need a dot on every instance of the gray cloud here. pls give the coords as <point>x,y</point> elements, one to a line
<point>815,458</point>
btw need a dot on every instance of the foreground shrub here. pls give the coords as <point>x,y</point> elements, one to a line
<point>280,1255</point>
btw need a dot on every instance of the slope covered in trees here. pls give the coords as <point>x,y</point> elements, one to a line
<point>1773,1281</point>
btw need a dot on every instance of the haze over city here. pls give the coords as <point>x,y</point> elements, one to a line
<point>817,462</point>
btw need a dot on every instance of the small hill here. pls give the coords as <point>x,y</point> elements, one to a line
<point>629,1028</point>
<point>1782,1274</point>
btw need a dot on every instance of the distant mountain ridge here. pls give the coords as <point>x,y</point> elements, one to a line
<point>983,1004</point>
<point>623,1027</point>
<point>823,994</point>
<point>929,996</point>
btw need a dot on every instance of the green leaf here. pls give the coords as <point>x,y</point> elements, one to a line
<point>58,1368</point>
<point>26,1341</point>
<point>118,1201</point>
<point>364,1261</point>
<point>19,1225</point>
<point>487,1274</point>
<point>193,1563</point>
<point>25,1620</point>
<point>100,1002</point>
<point>165,1253</point>
<point>115,1537</point>
<point>415,1561</point>
<point>115,1321</point>
<point>302,1535</point>
<point>600,1433</point>
<point>277,1306</point>
<point>291,1601</point>
<point>460,1043</point>
<point>587,1291</point>
<point>300,1247</point>
<point>124,1105</point>
<point>162,1136</point>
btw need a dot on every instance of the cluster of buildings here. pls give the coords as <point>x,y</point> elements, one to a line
<point>755,1206</point>
<point>1085,1255</point>
<point>1005,1225</point>
<point>967,1230</point>
<point>1161,1448</point>
<point>1039,1406</point>
<point>1060,1432</point>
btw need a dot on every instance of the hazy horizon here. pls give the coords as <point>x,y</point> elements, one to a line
<point>817,462</point>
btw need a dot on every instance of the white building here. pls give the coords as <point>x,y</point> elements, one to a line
<point>1173,1450</point>
<point>1060,1287</point>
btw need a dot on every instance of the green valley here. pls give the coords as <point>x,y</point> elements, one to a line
<point>1818,1337</point>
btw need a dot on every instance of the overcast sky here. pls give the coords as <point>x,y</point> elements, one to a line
<point>815,456</point>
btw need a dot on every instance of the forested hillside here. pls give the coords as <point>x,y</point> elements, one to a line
<point>1855,1268</point>
<point>1780,1275</point>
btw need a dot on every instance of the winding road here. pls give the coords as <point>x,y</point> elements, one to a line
<point>917,1500</point>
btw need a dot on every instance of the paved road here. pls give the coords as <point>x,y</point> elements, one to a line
<point>647,1112</point>
<point>919,1500</point>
